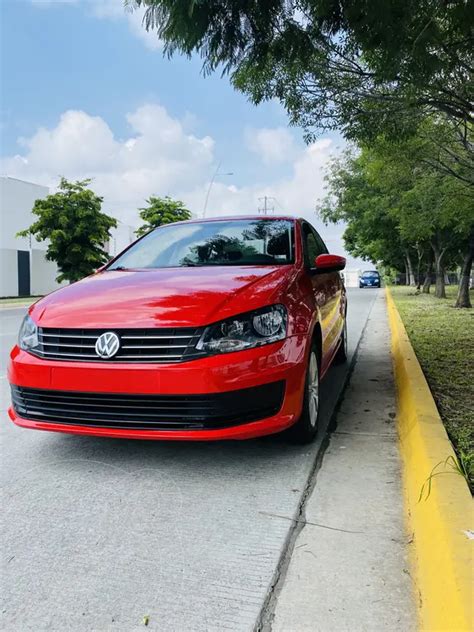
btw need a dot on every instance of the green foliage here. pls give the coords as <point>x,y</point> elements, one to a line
<point>363,67</point>
<point>161,211</point>
<point>77,230</point>
<point>394,76</point>
<point>397,204</point>
<point>359,200</point>
<point>452,465</point>
<point>441,338</point>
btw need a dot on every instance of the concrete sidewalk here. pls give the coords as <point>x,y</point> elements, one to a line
<point>348,568</point>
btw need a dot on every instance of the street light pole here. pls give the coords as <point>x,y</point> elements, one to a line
<point>216,173</point>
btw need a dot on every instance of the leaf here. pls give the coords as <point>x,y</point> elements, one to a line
<point>77,230</point>
<point>161,211</point>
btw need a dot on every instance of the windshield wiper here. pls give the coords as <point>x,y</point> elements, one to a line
<point>119,268</point>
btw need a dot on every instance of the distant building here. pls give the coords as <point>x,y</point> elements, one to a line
<point>351,277</point>
<point>24,269</point>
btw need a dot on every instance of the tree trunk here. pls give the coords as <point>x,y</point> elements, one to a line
<point>410,274</point>
<point>440,288</point>
<point>463,298</point>
<point>418,269</point>
<point>429,272</point>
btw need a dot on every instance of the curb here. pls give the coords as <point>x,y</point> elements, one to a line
<point>443,552</point>
<point>5,306</point>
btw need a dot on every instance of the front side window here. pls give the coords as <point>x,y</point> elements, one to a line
<point>223,242</point>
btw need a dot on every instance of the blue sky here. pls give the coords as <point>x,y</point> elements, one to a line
<point>86,92</point>
<point>60,55</point>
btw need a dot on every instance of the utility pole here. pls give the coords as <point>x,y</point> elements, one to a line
<point>266,208</point>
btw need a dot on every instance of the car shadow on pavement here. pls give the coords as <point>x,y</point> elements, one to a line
<point>196,455</point>
<point>215,454</point>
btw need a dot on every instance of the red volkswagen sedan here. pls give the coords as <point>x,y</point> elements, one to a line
<point>207,329</point>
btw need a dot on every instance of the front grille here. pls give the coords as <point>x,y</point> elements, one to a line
<point>136,345</point>
<point>149,412</point>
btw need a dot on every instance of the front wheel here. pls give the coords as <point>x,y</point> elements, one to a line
<point>306,428</point>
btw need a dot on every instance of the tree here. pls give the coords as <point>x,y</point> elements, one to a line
<point>431,207</point>
<point>77,230</point>
<point>354,198</point>
<point>363,67</point>
<point>396,205</point>
<point>161,211</point>
<point>463,298</point>
<point>368,68</point>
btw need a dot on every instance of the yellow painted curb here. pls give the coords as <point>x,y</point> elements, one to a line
<point>443,553</point>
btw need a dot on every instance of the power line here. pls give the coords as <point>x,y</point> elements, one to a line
<point>266,208</point>
<point>283,209</point>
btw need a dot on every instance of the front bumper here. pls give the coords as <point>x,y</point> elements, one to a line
<point>221,374</point>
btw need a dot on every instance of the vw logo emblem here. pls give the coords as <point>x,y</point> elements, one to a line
<point>107,345</point>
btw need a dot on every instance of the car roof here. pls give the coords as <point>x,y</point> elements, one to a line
<point>239,217</point>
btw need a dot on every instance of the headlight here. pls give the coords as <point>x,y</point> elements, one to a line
<point>28,336</point>
<point>245,331</point>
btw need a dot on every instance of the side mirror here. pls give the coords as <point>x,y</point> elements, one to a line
<point>329,263</point>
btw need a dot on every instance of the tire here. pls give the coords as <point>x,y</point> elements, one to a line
<point>306,428</point>
<point>341,353</point>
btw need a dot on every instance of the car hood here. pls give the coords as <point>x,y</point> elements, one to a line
<point>165,297</point>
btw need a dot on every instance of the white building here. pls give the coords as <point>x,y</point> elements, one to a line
<point>24,269</point>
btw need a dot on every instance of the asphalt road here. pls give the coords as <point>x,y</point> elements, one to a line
<point>99,533</point>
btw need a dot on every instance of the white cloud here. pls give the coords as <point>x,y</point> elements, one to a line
<point>295,194</point>
<point>161,157</point>
<point>158,157</point>
<point>111,10</point>
<point>114,9</point>
<point>47,4</point>
<point>272,145</point>
<point>149,38</point>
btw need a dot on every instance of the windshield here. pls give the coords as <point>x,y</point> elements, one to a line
<point>370,275</point>
<point>223,242</point>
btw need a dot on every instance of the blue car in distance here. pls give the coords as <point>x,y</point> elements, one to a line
<point>369,278</point>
